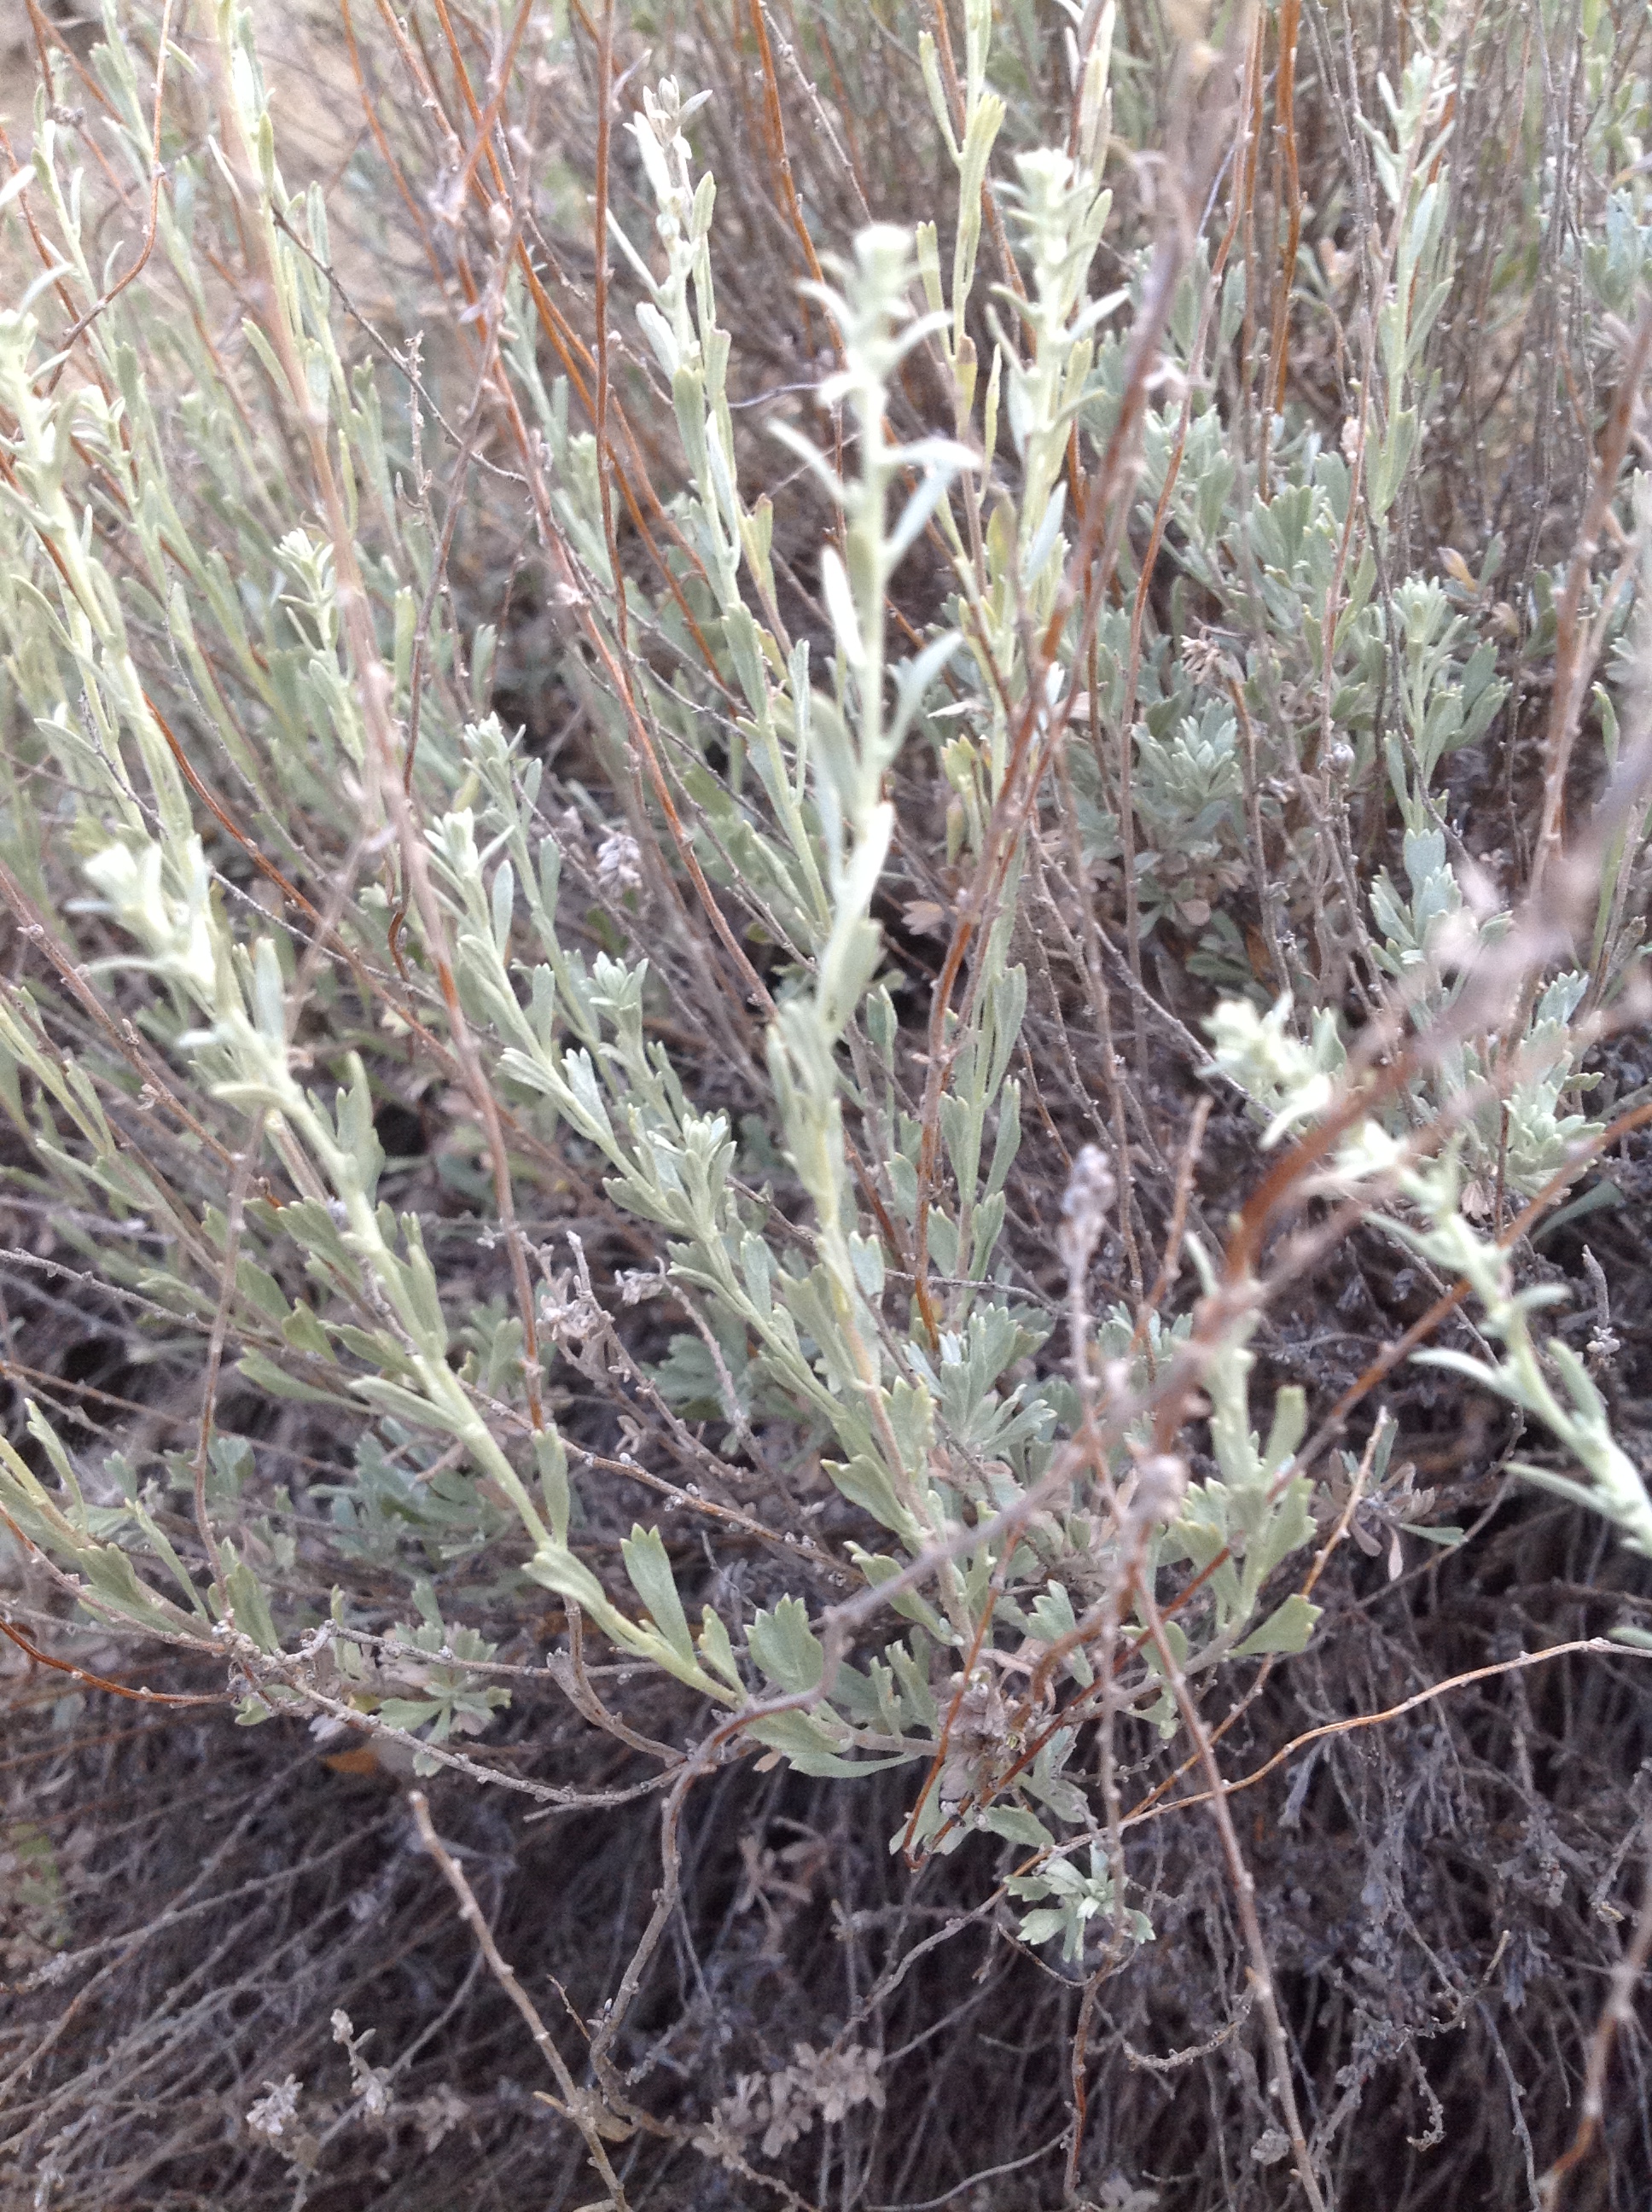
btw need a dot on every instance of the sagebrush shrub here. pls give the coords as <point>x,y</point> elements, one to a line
<point>634,936</point>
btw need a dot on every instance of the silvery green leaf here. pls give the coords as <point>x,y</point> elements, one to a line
<point>247,1605</point>
<point>1052,1619</point>
<point>867,1485</point>
<point>1041,1926</point>
<point>551,1461</point>
<point>717,1651</point>
<point>502,900</point>
<point>840,606</point>
<point>807,1742</point>
<point>408,1406</point>
<point>1289,1425</point>
<point>1046,1781</point>
<point>866,1257</point>
<point>1285,1631</point>
<point>657,331</point>
<point>811,458</point>
<point>265,1375</point>
<point>556,1567</point>
<point>786,1647</point>
<point>1017,1827</point>
<point>650,1570</point>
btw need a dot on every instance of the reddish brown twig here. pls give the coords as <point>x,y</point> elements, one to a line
<point>1617,2013</point>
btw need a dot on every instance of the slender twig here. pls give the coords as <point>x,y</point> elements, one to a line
<point>595,2123</point>
<point>1244,1884</point>
<point>112,292</point>
<point>1616,2015</point>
